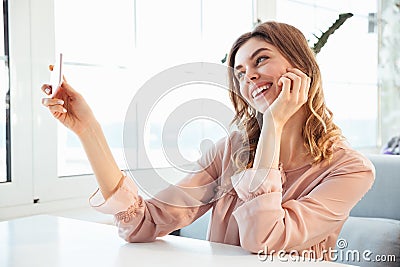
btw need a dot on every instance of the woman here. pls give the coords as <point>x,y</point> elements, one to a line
<point>285,181</point>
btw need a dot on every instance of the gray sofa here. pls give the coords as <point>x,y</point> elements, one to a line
<point>372,231</point>
<point>374,224</point>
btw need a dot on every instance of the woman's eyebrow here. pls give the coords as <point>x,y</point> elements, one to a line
<point>255,53</point>
<point>259,51</point>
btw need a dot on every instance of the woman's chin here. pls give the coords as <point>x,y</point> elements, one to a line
<point>263,105</point>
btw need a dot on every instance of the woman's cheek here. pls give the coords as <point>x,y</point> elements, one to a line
<point>244,94</point>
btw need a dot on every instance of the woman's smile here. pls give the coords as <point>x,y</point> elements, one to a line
<point>260,90</point>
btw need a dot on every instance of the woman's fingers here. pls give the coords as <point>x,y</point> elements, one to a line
<point>55,105</point>
<point>296,81</point>
<point>48,102</point>
<point>46,88</point>
<point>297,72</point>
<point>307,87</point>
<point>285,82</point>
<point>295,85</point>
<point>57,108</point>
<point>301,83</point>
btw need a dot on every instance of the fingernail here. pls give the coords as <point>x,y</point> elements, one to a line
<point>47,90</point>
<point>64,110</point>
<point>60,102</point>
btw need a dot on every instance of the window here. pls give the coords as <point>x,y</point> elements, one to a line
<point>96,55</point>
<point>107,58</point>
<point>5,98</point>
<point>125,43</point>
<point>348,62</point>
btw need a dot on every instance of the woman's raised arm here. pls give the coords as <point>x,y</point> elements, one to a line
<point>71,109</point>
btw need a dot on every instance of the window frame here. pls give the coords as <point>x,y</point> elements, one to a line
<point>8,102</point>
<point>34,182</point>
<point>19,190</point>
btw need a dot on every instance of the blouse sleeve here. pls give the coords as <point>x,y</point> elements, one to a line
<point>140,220</point>
<point>251,183</point>
<point>125,192</point>
<point>264,221</point>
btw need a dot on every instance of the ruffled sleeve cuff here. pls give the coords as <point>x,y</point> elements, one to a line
<point>124,196</point>
<point>251,183</point>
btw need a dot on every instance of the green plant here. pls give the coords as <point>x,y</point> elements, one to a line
<point>325,35</point>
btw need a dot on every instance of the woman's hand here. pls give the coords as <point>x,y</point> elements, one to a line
<point>69,107</point>
<point>295,86</point>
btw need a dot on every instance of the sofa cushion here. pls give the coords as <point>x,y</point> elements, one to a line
<point>381,201</point>
<point>369,238</point>
<point>198,229</point>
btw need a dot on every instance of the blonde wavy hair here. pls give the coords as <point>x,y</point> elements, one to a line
<point>319,131</point>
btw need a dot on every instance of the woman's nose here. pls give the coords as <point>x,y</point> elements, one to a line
<point>251,74</point>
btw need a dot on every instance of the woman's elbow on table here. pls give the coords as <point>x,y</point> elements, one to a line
<point>137,237</point>
<point>136,232</point>
<point>253,246</point>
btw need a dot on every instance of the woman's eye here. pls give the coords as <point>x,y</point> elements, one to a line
<point>261,59</point>
<point>239,74</point>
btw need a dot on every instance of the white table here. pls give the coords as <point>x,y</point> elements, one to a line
<point>44,240</point>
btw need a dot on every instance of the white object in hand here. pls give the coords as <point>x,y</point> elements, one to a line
<point>56,74</point>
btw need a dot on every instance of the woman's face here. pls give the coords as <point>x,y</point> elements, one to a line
<point>258,67</point>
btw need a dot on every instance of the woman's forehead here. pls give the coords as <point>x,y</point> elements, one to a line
<point>250,48</point>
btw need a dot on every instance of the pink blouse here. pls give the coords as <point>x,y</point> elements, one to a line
<point>299,209</point>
